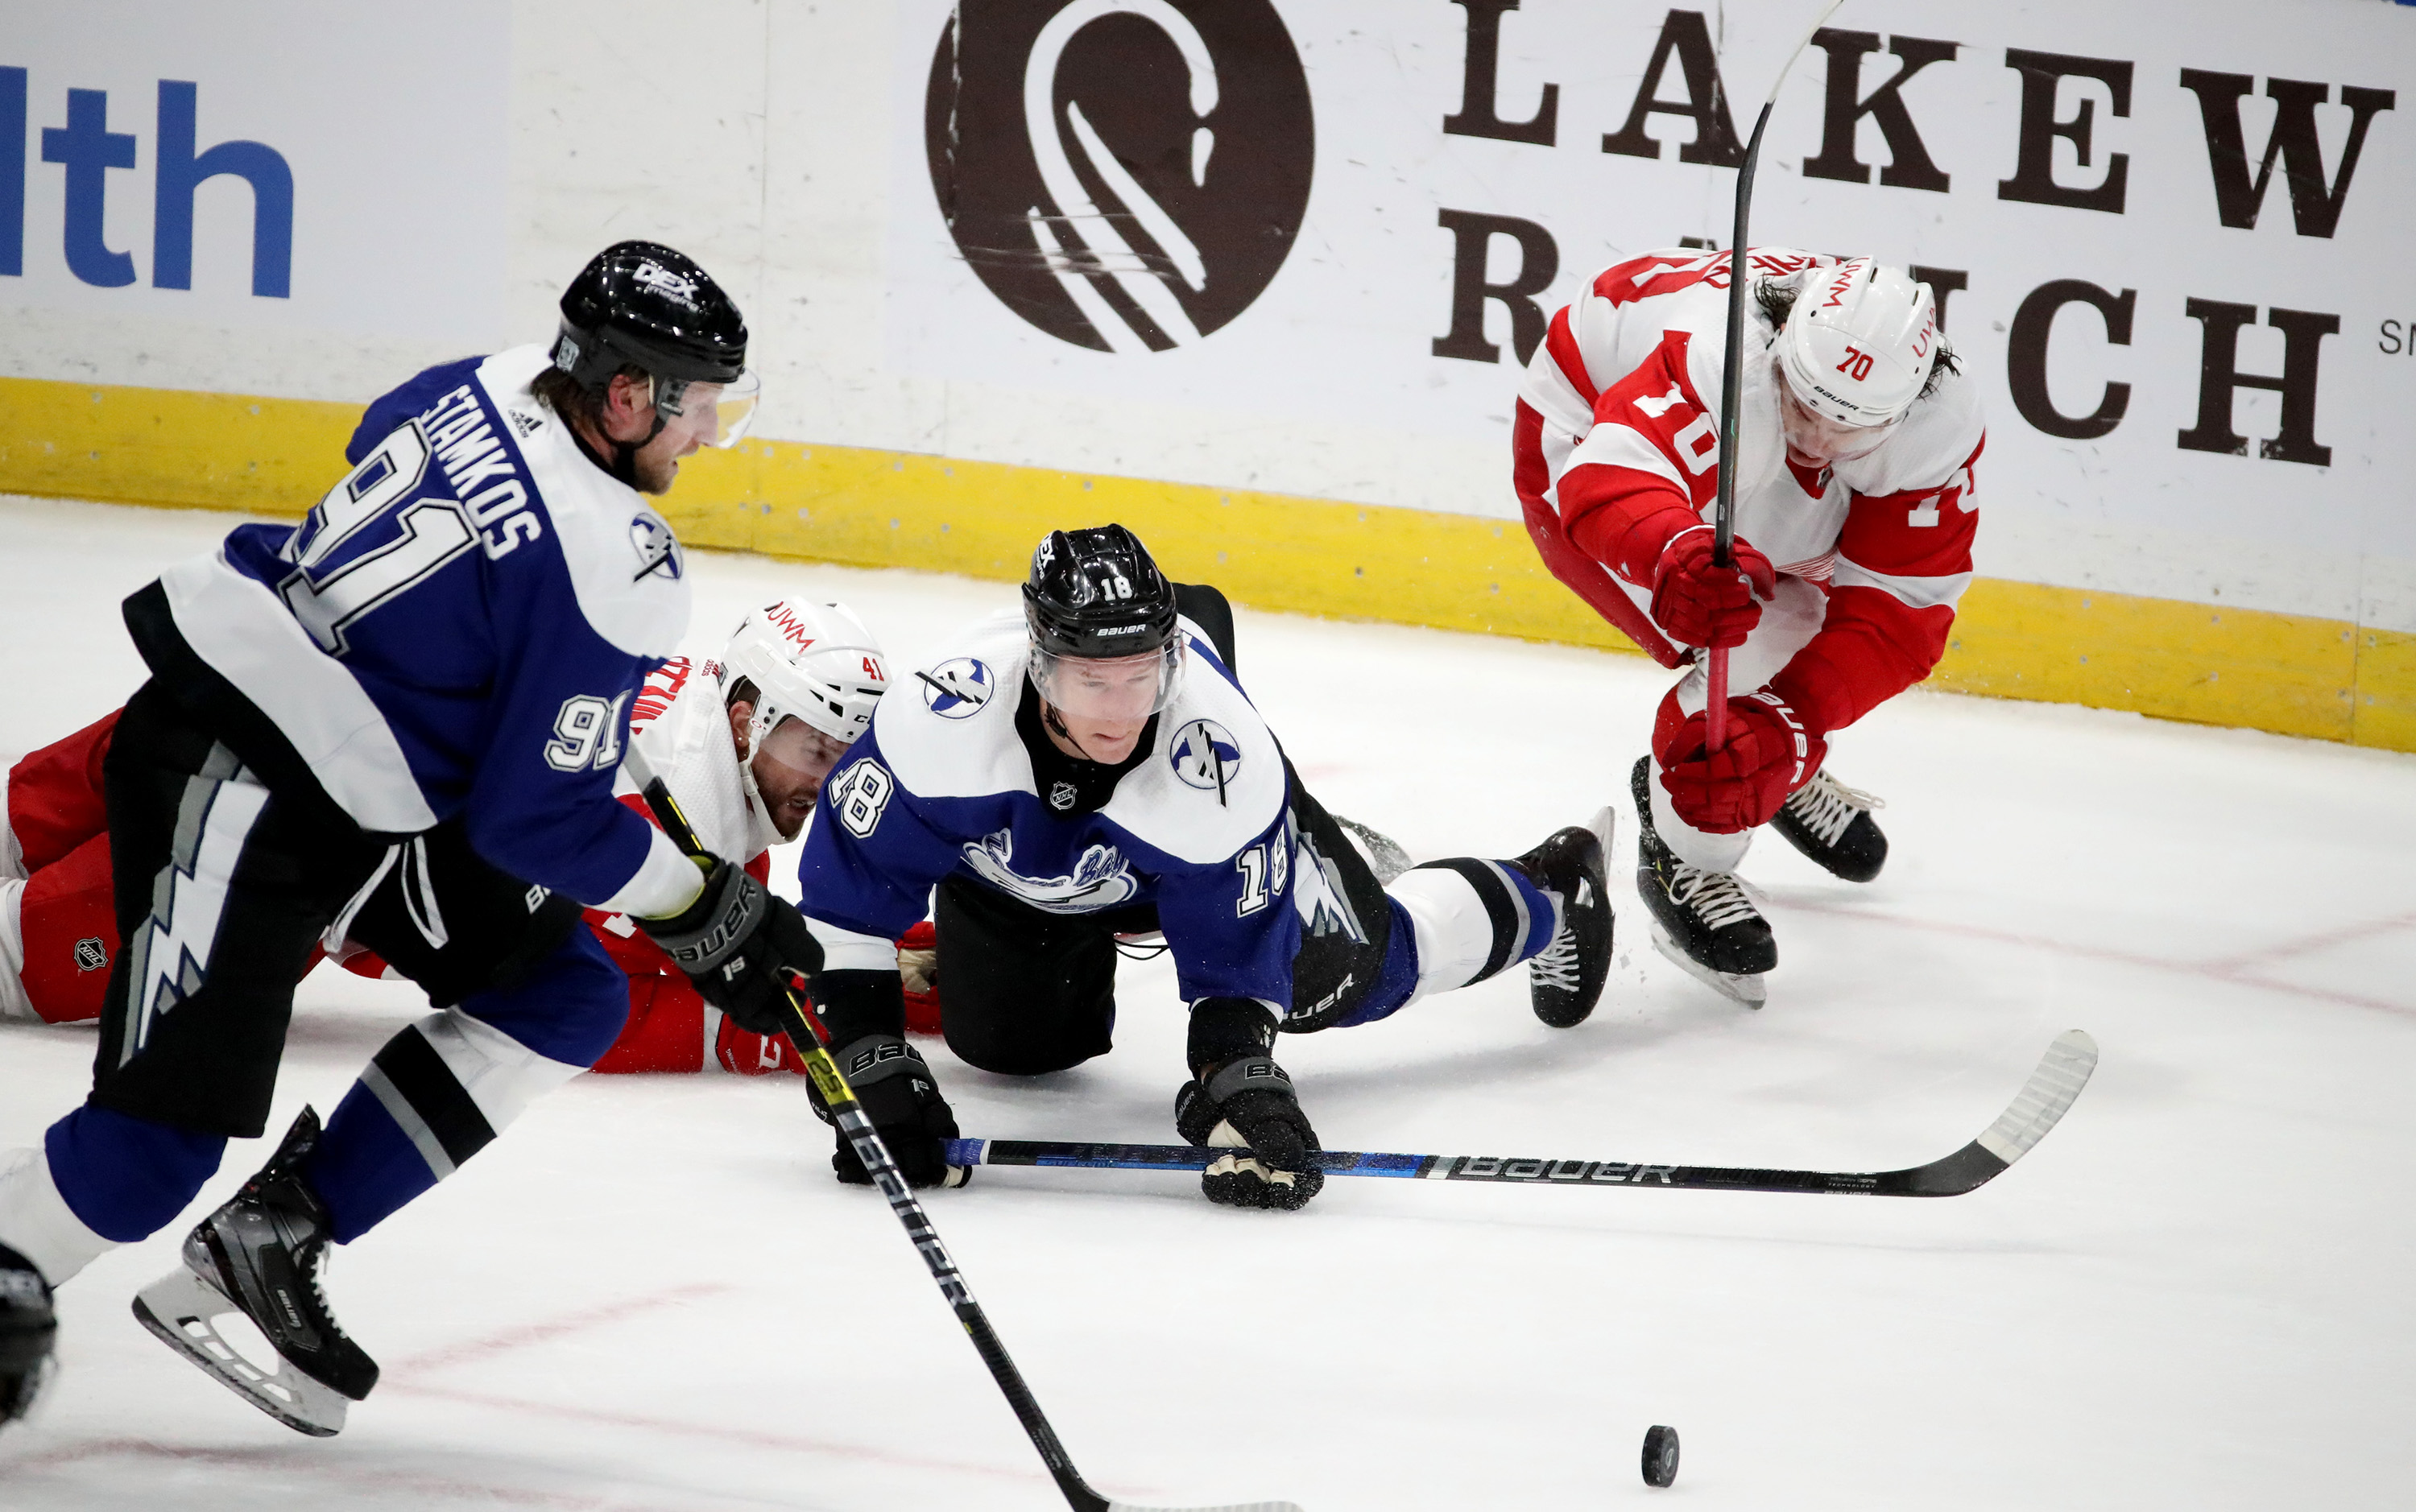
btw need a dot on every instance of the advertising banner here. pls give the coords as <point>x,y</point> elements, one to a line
<point>2165,249</point>
<point>263,167</point>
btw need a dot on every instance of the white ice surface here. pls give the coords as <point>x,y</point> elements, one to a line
<point>2193,1293</point>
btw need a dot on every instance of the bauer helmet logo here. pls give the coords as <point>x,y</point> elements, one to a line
<point>1128,175</point>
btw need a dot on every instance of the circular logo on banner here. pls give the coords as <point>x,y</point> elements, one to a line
<point>1206,755</point>
<point>1125,174</point>
<point>956,688</point>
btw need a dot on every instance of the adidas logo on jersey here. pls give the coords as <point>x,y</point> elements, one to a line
<point>526,423</point>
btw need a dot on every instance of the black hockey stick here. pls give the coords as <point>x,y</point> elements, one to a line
<point>2061,1075</point>
<point>812,1042</point>
<point>1715,706</point>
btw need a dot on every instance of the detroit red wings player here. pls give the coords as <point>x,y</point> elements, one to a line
<point>1854,522</point>
<point>744,742</point>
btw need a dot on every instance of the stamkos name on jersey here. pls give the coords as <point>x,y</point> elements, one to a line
<point>480,469</point>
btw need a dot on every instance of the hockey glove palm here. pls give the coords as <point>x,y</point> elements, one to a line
<point>1697,602</point>
<point>1248,1105</point>
<point>898,1093</point>
<point>1770,753</point>
<point>740,945</point>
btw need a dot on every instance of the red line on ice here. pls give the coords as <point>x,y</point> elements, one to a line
<point>2233,970</point>
<point>303,1462</point>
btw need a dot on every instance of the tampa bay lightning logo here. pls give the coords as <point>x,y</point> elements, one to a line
<point>1206,755</point>
<point>958,688</point>
<point>1100,879</point>
<point>659,550</point>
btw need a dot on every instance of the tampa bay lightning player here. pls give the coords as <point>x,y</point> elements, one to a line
<point>1091,768</point>
<point>397,721</point>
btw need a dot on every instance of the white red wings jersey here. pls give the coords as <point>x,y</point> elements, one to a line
<point>1618,450</point>
<point>680,724</point>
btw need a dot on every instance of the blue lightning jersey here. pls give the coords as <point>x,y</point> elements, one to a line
<point>458,628</point>
<point>942,784</point>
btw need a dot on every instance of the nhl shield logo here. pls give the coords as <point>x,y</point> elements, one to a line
<point>91,954</point>
<point>958,688</point>
<point>1206,755</point>
<point>1062,796</point>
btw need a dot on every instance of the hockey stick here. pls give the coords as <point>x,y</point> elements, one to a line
<point>812,1042</point>
<point>1716,694</point>
<point>2061,1075</point>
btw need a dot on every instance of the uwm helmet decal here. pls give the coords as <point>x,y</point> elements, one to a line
<point>1127,175</point>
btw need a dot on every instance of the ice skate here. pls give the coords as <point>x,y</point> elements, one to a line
<point>1702,920</point>
<point>259,1256</point>
<point>28,1331</point>
<point>1831,823</point>
<point>1565,980</point>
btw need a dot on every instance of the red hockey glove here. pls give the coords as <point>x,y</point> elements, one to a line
<point>1699,604</point>
<point>1770,753</point>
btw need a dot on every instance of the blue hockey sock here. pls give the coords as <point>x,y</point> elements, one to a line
<point>366,1167</point>
<point>127,1177</point>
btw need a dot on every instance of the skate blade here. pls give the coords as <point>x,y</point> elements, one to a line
<point>1736,988</point>
<point>182,1309</point>
<point>1604,826</point>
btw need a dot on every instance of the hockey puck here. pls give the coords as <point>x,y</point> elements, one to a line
<point>1660,1455</point>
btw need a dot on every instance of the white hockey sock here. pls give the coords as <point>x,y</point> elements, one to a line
<point>14,1004</point>
<point>1461,939</point>
<point>37,1221</point>
<point>1695,848</point>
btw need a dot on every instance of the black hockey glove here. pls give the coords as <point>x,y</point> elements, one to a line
<point>739,944</point>
<point>901,1097</point>
<point>1248,1105</point>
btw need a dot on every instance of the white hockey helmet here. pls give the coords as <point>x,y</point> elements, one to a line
<point>813,662</point>
<point>1860,342</point>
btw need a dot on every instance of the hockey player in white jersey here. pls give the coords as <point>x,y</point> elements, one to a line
<point>744,740</point>
<point>425,682</point>
<point>1089,769</point>
<point>1854,523</point>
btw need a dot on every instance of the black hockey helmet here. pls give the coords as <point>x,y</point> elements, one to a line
<point>1095,592</point>
<point>1096,605</point>
<point>643,303</point>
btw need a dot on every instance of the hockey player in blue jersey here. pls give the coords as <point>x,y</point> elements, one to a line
<point>399,722</point>
<point>1092,768</point>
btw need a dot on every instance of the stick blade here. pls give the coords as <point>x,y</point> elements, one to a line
<point>2041,1104</point>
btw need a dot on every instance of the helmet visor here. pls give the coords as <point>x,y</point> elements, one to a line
<point>733,410</point>
<point>1816,435</point>
<point>1109,688</point>
<point>801,748</point>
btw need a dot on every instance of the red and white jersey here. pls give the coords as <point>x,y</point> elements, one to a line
<point>680,724</point>
<point>1617,450</point>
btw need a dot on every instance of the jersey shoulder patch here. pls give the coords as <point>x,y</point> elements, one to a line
<point>1215,779</point>
<point>625,566</point>
<point>949,731</point>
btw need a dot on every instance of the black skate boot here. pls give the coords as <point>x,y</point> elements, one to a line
<point>28,1330</point>
<point>1831,823</point>
<point>260,1255</point>
<point>1701,920</point>
<point>1564,982</point>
